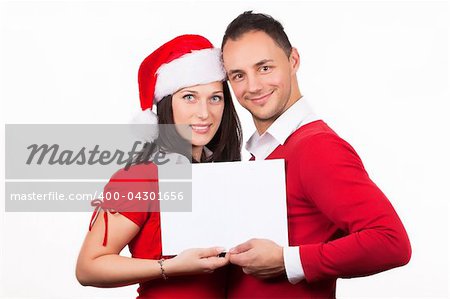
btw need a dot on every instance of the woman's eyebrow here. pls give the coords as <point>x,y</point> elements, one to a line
<point>190,91</point>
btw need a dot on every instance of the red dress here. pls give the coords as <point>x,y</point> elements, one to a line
<point>147,243</point>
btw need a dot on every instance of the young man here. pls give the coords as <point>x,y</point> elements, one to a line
<point>340,223</point>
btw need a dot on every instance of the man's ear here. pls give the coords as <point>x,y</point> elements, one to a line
<point>294,59</point>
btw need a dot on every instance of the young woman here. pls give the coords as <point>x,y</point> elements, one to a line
<point>186,80</point>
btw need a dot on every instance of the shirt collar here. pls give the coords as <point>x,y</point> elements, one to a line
<point>299,114</point>
<point>208,152</point>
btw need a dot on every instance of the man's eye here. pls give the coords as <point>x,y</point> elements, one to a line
<point>238,77</point>
<point>265,68</point>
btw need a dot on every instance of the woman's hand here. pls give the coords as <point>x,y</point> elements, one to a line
<point>196,261</point>
<point>102,266</point>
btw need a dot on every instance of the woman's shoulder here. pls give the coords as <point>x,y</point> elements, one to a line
<point>137,171</point>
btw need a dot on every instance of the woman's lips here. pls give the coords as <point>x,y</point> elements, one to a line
<point>201,129</point>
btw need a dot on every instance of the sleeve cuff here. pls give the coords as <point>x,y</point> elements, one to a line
<point>293,264</point>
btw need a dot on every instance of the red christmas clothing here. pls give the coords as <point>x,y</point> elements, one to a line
<point>345,226</point>
<point>147,243</point>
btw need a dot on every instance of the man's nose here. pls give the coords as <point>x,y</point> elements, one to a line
<point>254,84</point>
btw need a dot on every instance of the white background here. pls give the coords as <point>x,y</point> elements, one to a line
<point>376,72</point>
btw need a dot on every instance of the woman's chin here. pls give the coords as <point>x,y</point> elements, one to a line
<point>200,143</point>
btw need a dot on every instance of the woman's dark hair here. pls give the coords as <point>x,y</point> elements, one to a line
<point>226,143</point>
<point>249,21</point>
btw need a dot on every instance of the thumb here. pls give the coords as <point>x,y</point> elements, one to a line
<point>210,252</point>
<point>241,247</point>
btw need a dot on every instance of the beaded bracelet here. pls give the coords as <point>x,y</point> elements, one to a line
<point>163,274</point>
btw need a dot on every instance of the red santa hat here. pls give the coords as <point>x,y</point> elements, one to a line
<point>186,60</point>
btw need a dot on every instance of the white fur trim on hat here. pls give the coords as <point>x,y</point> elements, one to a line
<point>148,125</point>
<point>198,67</point>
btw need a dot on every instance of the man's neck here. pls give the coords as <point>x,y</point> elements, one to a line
<point>262,125</point>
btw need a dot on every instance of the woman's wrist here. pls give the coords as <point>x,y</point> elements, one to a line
<point>168,267</point>
<point>162,269</point>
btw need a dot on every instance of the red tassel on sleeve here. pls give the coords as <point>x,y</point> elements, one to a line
<point>98,204</point>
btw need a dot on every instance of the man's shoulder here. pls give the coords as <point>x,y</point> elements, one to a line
<point>312,131</point>
<point>317,140</point>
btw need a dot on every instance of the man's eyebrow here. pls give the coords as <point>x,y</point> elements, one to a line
<point>258,64</point>
<point>262,62</point>
<point>232,72</point>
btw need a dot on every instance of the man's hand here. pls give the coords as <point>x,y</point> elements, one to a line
<point>259,257</point>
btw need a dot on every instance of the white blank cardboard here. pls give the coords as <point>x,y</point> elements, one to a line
<point>231,203</point>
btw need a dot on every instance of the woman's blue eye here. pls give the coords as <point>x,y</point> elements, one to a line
<point>216,99</point>
<point>188,97</point>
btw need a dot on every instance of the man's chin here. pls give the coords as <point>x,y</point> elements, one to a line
<point>264,117</point>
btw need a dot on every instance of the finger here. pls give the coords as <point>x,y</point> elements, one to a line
<point>213,263</point>
<point>246,270</point>
<point>242,247</point>
<point>241,259</point>
<point>253,272</point>
<point>210,252</point>
<point>225,256</point>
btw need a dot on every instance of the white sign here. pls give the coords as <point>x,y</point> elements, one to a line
<point>231,203</point>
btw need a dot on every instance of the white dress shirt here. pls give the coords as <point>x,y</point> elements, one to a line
<point>261,146</point>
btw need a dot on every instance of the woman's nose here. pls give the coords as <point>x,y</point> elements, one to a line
<point>202,109</point>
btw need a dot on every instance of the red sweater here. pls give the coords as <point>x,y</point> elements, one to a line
<point>345,226</point>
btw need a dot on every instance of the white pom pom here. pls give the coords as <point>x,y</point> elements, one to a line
<point>148,129</point>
